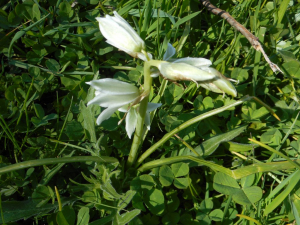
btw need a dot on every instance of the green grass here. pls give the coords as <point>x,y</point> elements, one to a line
<point>211,172</point>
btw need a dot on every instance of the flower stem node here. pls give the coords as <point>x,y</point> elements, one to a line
<point>120,34</point>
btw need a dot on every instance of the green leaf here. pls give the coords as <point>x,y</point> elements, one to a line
<point>173,201</point>
<point>172,94</point>
<point>292,68</point>
<point>171,218</point>
<point>155,201</point>
<point>74,130</point>
<point>238,147</point>
<point>253,193</point>
<point>36,14</point>
<point>181,182</point>
<point>40,113</point>
<point>17,210</point>
<point>184,19</point>
<point>41,195</point>
<point>110,190</point>
<point>216,215</point>
<point>180,169</point>
<point>19,34</point>
<point>142,183</point>
<point>124,201</point>
<point>125,217</point>
<point>210,145</point>
<point>138,201</point>
<point>83,216</point>
<point>66,217</point>
<point>52,65</point>
<point>239,74</point>
<point>166,176</point>
<point>247,181</point>
<point>40,122</point>
<point>228,186</point>
<point>279,199</point>
<point>282,10</point>
<point>206,205</point>
<point>88,121</point>
<point>272,137</point>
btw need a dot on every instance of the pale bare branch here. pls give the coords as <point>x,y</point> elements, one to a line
<point>251,38</point>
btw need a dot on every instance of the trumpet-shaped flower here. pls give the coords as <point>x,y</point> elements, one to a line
<point>112,94</point>
<point>121,35</point>
<point>117,95</point>
<point>218,83</point>
<point>183,71</point>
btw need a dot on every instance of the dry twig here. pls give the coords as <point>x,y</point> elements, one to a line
<point>251,38</point>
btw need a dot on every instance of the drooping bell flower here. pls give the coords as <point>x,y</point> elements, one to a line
<point>120,34</point>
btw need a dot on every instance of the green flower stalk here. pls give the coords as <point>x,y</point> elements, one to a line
<point>142,112</point>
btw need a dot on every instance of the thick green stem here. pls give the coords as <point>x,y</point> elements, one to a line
<point>41,162</point>
<point>142,112</point>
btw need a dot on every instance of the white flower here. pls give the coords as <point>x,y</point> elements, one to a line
<point>112,94</point>
<point>121,35</point>
<point>217,83</point>
<point>117,95</point>
<point>183,71</point>
<point>132,116</point>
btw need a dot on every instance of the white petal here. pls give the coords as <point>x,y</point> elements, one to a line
<point>197,62</point>
<point>124,108</point>
<point>183,71</point>
<point>147,120</point>
<point>105,114</point>
<point>220,84</point>
<point>169,53</point>
<point>211,87</point>
<point>108,100</point>
<point>128,28</point>
<point>143,57</point>
<point>152,106</point>
<point>131,120</point>
<point>117,35</point>
<point>154,72</point>
<point>226,86</point>
<point>113,86</point>
<point>130,52</point>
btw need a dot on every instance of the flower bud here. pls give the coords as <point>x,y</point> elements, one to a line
<point>220,84</point>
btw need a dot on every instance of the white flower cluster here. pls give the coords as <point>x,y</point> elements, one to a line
<point>117,95</point>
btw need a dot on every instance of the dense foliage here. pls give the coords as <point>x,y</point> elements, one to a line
<point>201,167</point>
